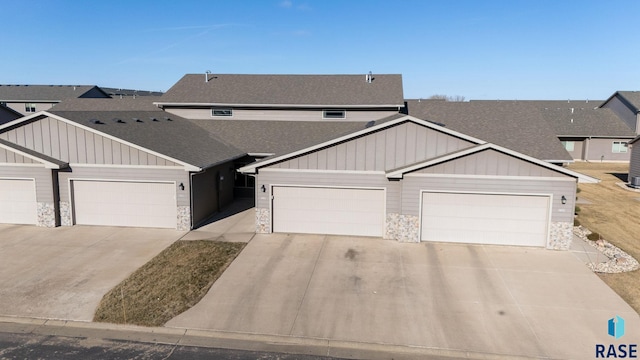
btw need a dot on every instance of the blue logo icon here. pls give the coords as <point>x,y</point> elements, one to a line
<point>616,327</point>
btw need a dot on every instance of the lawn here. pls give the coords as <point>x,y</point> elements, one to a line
<point>169,284</point>
<point>613,213</point>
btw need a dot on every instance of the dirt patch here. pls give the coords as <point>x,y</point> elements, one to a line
<point>169,284</point>
<point>613,212</point>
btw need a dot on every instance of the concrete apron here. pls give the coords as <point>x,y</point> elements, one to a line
<point>491,300</point>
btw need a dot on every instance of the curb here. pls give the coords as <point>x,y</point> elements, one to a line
<point>236,341</point>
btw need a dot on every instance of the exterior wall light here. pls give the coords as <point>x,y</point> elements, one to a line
<point>263,188</point>
<point>181,186</point>
<point>563,199</point>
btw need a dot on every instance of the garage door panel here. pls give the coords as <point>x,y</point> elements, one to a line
<point>18,204</point>
<point>335,211</point>
<point>485,218</point>
<point>112,203</point>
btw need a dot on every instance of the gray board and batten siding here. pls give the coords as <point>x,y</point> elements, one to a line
<point>73,144</point>
<point>624,111</point>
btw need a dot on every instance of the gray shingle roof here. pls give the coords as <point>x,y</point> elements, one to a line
<point>178,138</point>
<point>632,97</point>
<point>516,126</point>
<point>280,137</point>
<point>579,118</point>
<point>107,104</point>
<point>271,90</point>
<point>53,93</point>
<point>116,92</point>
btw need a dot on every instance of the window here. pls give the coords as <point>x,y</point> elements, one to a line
<point>569,145</point>
<point>221,112</point>
<point>30,107</point>
<point>619,147</point>
<point>334,114</point>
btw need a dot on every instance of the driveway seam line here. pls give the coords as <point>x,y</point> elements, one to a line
<point>293,325</point>
<point>499,271</point>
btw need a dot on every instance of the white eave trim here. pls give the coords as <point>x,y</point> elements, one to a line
<point>310,106</point>
<point>251,168</point>
<point>187,167</point>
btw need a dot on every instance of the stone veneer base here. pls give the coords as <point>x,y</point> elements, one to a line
<point>404,228</point>
<point>46,214</point>
<point>65,214</point>
<point>560,235</point>
<point>184,218</point>
<point>263,221</point>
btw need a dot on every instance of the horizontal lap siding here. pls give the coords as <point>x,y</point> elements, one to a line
<point>268,178</point>
<point>280,115</point>
<point>178,176</point>
<point>634,164</point>
<point>72,144</point>
<point>412,185</point>
<point>44,184</point>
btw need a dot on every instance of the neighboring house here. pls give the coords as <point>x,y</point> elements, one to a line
<point>29,99</point>
<point>626,104</point>
<point>516,126</point>
<point>412,180</point>
<point>119,93</point>
<point>587,132</point>
<point>285,97</point>
<point>7,114</point>
<point>142,168</point>
<point>634,162</point>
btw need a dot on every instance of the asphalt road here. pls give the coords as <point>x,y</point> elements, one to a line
<point>32,346</point>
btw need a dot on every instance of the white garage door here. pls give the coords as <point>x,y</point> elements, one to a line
<point>328,211</point>
<point>115,203</point>
<point>18,202</point>
<point>485,218</point>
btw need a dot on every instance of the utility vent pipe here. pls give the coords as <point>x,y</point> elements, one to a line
<point>206,76</point>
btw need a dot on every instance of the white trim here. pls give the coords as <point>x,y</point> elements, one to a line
<point>83,165</point>
<point>271,198</point>
<point>371,172</point>
<point>549,210</point>
<point>302,106</point>
<point>24,165</point>
<point>492,177</point>
<point>47,164</point>
<point>72,199</point>
<point>260,154</point>
<point>251,168</point>
<point>187,166</point>
<point>18,178</point>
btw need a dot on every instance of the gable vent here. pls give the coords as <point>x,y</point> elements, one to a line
<point>96,121</point>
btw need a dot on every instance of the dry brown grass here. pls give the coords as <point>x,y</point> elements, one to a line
<point>614,213</point>
<point>169,284</point>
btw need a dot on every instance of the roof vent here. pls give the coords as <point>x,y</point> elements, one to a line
<point>96,121</point>
<point>154,119</point>
<point>119,121</point>
<point>137,120</point>
<point>206,75</point>
<point>168,119</point>
<point>369,77</point>
<point>369,124</point>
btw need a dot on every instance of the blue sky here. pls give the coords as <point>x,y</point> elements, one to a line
<point>515,49</point>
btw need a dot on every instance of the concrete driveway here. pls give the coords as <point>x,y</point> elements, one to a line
<point>62,273</point>
<point>454,299</point>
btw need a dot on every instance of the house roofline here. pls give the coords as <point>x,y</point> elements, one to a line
<point>302,106</point>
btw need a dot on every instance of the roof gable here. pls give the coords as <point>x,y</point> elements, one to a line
<point>48,93</point>
<point>286,90</point>
<point>513,125</point>
<point>16,154</point>
<point>391,135</point>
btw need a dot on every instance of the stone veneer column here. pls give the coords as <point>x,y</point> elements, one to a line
<point>46,214</point>
<point>65,214</point>
<point>184,218</point>
<point>263,221</point>
<point>404,228</point>
<point>560,235</point>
